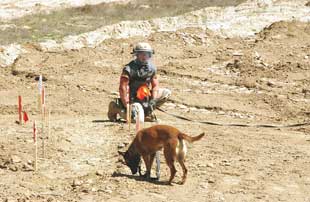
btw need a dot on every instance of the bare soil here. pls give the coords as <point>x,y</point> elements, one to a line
<point>260,80</point>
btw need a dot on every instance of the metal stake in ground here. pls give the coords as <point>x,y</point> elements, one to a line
<point>138,121</point>
<point>157,156</point>
<point>128,109</point>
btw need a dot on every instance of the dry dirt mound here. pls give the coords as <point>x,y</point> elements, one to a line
<point>283,30</point>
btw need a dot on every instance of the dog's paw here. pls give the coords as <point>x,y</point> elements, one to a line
<point>154,179</point>
<point>181,182</point>
<point>169,183</point>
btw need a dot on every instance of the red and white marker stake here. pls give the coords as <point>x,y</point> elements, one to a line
<point>40,84</point>
<point>43,119</point>
<point>41,100</point>
<point>36,146</point>
<point>20,109</point>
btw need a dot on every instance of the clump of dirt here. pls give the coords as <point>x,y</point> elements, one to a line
<point>283,30</point>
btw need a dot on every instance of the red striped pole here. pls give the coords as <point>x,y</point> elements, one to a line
<point>36,146</point>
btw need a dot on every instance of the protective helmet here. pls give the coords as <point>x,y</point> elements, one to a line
<point>142,47</point>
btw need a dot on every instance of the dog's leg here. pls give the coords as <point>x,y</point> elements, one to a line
<point>170,155</point>
<point>181,153</point>
<point>184,172</point>
<point>147,161</point>
<point>152,157</point>
<point>151,163</point>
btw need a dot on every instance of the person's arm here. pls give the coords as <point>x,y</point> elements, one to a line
<point>124,82</point>
<point>155,87</point>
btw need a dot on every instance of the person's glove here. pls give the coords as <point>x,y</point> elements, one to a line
<point>149,107</point>
<point>152,104</point>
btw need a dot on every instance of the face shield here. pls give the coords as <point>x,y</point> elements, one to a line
<point>143,56</point>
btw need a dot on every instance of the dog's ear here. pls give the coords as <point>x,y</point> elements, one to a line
<point>121,153</point>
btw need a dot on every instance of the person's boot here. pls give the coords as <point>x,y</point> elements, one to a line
<point>113,111</point>
<point>150,118</point>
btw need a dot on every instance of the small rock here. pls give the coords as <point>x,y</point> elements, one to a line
<point>108,191</point>
<point>257,55</point>
<point>94,189</point>
<point>77,183</point>
<point>38,77</point>
<point>271,84</point>
<point>210,165</point>
<point>15,159</point>
<point>27,167</point>
<point>221,113</point>
<point>26,27</point>
<point>264,64</point>
<point>114,93</point>
<point>119,166</point>
<point>120,146</point>
<point>211,181</point>
<point>90,163</point>
<point>237,54</point>
<point>99,173</point>
<point>50,199</point>
<point>13,168</point>
<point>68,140</point>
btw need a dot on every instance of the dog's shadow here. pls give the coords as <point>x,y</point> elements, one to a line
<point>139,178</point>
<point>108,121</point>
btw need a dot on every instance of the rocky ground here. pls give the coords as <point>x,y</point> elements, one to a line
<point>254,80</point>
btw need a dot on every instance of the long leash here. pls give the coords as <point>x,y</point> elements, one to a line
<point>233,124</point>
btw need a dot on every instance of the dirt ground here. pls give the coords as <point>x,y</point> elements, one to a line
<point>260,80</point>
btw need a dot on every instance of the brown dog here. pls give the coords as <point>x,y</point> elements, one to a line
<point>150,140</point>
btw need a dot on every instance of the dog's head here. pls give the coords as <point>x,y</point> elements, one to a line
<point>132,160</point>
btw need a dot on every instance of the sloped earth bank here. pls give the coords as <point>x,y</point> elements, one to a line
<point>260,80</point>
<point>88,26</point>
<point>10,9</point>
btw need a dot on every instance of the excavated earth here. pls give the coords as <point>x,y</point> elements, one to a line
<point>264,79</point>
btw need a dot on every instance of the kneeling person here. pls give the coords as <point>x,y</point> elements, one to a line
<point>144,92</point>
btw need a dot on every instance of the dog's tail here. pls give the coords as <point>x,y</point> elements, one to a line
<point>189,138</point>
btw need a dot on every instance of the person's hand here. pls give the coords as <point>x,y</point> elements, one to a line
<point>152,104</point>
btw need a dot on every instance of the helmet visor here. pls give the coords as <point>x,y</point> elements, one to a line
<point>143,56</point>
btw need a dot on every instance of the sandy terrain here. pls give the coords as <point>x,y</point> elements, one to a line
<point>263,79</point>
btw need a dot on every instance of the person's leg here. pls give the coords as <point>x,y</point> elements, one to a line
<point>116,108</point>
<point>137,109</point>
